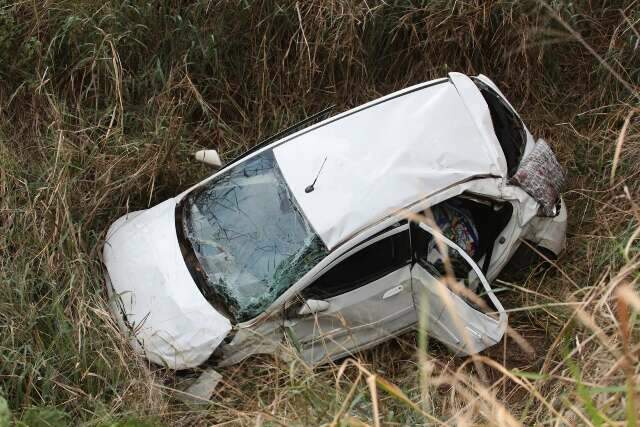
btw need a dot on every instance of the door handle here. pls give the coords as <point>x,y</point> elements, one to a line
<point>393,291</point>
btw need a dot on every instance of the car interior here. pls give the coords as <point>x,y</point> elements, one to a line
<point>490,218</point>
<point>386,255</point>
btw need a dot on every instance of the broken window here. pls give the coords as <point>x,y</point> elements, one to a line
<point>369,264</point>
<point>249,236</point>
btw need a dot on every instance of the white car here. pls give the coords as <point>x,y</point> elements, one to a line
<point>324,237</point>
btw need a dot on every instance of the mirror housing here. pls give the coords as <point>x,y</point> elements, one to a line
<point>209,157</point>
<point>312,306</point>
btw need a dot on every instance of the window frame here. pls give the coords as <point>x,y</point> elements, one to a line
<point>513,153</point>
<point>419,256</point>
<point>486,286</point>
<point>394,229</point>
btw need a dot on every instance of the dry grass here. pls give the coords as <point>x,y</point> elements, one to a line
<point>102,102</point>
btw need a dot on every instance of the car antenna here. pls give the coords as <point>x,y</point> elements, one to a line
<point>310,188</point>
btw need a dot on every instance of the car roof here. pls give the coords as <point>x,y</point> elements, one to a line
<point>390,153</point>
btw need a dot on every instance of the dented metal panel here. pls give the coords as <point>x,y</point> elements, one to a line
<point>452,319</point>
<point>390,154</point>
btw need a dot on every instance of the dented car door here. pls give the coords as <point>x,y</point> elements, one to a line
<point>444,280</point>
<point>359,300</point>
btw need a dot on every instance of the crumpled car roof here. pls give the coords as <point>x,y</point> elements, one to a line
<point>389,154</point>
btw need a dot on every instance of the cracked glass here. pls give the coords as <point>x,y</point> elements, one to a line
<point>249,236</point>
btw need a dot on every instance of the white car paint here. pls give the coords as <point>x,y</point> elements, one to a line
<point>400,146</point>
<point>452,320</point>
<point>359,316</point>
<point>151,287</point>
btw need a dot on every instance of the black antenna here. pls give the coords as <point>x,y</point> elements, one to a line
<point>310,188</point>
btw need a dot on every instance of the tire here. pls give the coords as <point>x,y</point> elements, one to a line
<point>524,260</point>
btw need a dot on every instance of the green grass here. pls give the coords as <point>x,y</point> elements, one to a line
<point>102,104</point>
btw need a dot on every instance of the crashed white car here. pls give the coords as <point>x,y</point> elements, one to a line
<point>335,237</point>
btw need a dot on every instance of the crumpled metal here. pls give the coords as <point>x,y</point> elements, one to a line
<point>542,177</point>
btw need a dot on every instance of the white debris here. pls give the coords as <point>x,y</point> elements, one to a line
<point>202,388</point>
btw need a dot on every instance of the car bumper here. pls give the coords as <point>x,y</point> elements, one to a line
<point>550,232</point>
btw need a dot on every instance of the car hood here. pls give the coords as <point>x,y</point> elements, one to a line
<point>152,293</point>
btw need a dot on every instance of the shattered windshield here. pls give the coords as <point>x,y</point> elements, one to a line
<point>250,237</point>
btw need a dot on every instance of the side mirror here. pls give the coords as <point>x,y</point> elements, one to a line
<point>312,306</point>
<point>210,157</point>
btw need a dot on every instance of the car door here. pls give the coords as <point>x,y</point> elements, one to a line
<point>362,298</point>
<point>465,321</point>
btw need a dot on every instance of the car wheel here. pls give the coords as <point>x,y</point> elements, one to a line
<point>524,260</point>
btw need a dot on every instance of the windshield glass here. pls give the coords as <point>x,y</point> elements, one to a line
<point>250,237</point>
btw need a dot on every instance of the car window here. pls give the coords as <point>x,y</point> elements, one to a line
<point>249,236</point>
<point>508,127</point>
<point>364,266</point>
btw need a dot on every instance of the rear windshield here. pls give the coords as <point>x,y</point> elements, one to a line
<point>249,236</point>
<point>507,126</point>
